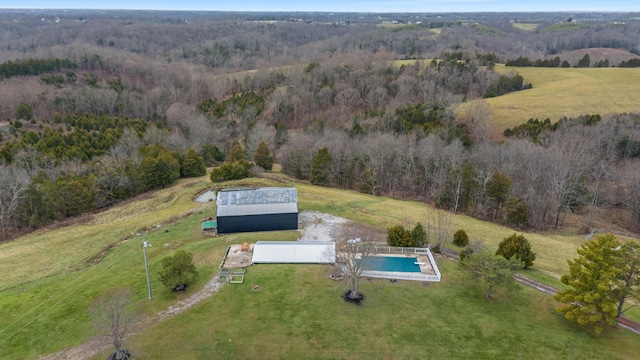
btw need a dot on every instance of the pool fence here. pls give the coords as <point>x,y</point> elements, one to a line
<point>381,250</point>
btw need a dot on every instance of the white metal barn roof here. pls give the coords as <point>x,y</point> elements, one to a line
<point>257,209</point>
<point>261,201</point>
<point>294,252</point>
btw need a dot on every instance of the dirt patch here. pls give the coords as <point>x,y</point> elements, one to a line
<point>317,226</point>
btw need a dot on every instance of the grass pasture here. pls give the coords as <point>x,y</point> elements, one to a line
<point>525,26</point>
<point>559,92</point>
<point>297,311</point>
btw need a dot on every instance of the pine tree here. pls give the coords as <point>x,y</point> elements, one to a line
<point>419,236</point>
<point>24,111</point>
<point>263,156</point>
<point>594,279</point>
<point>193,164</point>
<point>236,153</point>
<point>321,167</point>
<point>630,275</point>
<point>397,235</point>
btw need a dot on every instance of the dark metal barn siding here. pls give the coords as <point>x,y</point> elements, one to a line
<point>262,209</point>
<point>261,222</point>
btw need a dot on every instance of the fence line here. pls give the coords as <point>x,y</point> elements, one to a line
<point>405,275</point>
<point>400,250</point>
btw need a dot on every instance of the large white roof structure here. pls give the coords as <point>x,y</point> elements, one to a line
<point>260,201</point>
<point>294,252</point>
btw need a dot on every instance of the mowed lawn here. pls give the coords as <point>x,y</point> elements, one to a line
<point>296,313</point>
<point>51,277</point>
<point>559,92</point>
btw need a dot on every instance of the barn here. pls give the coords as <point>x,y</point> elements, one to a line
<point>260,209</point>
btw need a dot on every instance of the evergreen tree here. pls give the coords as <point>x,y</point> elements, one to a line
<point>24,112</point>
<point>594,277</point>
<point>160,167</point>
<point>211,154</point>
<point>585,62</point>
<point>399,236</point>
<point>497,191</point>
<point>460,238</point>
<point>517,212</point>
<point>321,167</point>
<point>263,156</point>
<point>233,170</point>
<point>419,236</point>
<point>236,153</point>
<point>519,247</point>
<point>193,164</point>
<point>630,275</point>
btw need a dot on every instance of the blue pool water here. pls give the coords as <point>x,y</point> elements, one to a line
<point>388,263</point>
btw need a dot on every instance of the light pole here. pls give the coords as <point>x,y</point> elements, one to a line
<point>146,264</point>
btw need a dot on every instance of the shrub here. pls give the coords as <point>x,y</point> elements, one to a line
<point>519,247</point>
<point>398,236</point>
<point>233,170</point>
<point>419,236</point>
<point>460,238</point>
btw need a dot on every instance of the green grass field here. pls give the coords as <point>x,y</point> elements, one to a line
<point>559,92</point>
<point>525,26</point>
<point>297,313</point>
<point>51,277</point>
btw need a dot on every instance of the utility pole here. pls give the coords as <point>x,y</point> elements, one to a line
<point>146,264</point>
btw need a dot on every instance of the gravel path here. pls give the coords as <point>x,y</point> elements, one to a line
<point>94,346</point>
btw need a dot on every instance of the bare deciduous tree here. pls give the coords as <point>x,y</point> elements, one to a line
<point>352,252</point>
<point>477,116</point>
<point>260,132</point>
<point>439,230</point>
<point>113,315</point>
<point>13,183</point>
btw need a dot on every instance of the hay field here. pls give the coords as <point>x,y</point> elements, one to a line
<point>525,26</point>
<point>559,92</point>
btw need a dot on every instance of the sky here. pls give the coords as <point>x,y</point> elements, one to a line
<point>335,5</point>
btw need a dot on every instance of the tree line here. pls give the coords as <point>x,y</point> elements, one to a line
<point>519,182</point>
<point>32,66</point>
<point>87,163</point>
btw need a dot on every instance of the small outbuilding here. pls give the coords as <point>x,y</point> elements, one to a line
<point>261,209</point>
<point>294,252</point>
<point>209,228</point>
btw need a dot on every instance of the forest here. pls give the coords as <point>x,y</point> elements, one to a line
<point>98,107</point>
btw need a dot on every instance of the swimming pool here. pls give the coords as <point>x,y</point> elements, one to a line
<point>391,263</point>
